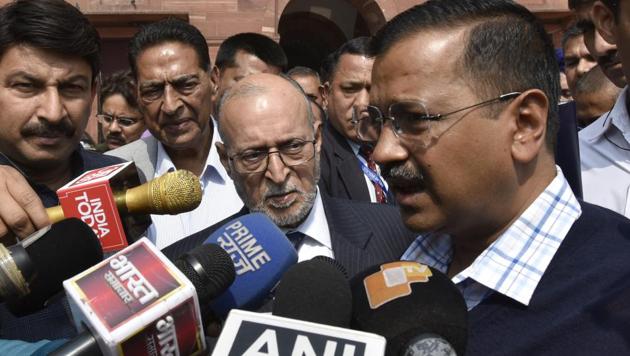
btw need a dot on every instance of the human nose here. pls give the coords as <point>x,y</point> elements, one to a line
<point>51,107</point>
<point>276,171</point>
<point>172,102</point>
<point>388,147</point>
<point>363,98</point>
<point>584,66</point>
<point>114,126</point>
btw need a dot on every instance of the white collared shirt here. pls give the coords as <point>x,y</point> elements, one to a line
<point>516,261</point>
<point>219,200</point>
<point>355,148</point>
<point>606,167</point>
<point>315,227</point>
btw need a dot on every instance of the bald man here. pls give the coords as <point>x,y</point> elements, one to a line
<point>271,151</point>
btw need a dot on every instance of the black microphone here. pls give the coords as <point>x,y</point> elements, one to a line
<point>208,267</point>
<point>415,307</point>
<point>317,291</point>
<point>34,269</point>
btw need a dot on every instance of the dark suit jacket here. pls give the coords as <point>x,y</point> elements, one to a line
<point>362,234</point>
<point>341,175</point>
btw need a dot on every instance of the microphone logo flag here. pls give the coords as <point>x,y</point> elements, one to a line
<point>393,281</point>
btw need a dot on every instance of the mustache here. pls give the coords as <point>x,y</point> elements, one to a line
<point>609,58</point>
<point>273,189</point>
<point>46,129</point>
<point>401,172</point>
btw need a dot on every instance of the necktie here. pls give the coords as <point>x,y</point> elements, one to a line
<point>296,238</point>
<point>366,152</point>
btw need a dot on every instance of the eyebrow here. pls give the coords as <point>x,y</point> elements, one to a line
<point>32,78</point>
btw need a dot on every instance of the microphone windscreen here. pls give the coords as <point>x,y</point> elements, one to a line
<point>261,253</point>
<point>403,300</point>
<point>68,248</point>
<point>317,291</point>
<point>209,268</point>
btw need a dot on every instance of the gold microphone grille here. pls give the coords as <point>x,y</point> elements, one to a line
<point>175,192</point>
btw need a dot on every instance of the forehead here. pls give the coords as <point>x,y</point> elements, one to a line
<point>353,67</point>
<point>574,43</point>
<point>169,58</point>
<point>431,73</point>
<point>265,119</point>
<point>43,64</point>
<point>247,63</point>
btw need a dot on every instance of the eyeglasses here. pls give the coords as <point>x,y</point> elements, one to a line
<point>292,153</point>
<point>410,120</point>
<point>123,121</point>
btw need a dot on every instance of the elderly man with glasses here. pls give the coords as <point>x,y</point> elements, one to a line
<point>271,151</point>
<point>465,131</point>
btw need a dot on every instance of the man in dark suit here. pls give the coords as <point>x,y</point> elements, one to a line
<point>271,151</point>
<point>347,168</point>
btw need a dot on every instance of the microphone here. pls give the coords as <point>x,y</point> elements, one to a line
<point>249,333</point>
<point>137,302</point>
<point>417,308</point>
<point>261,254</point>
<point>317,291</point>
<point>34,269</point>
<point>172,193</point>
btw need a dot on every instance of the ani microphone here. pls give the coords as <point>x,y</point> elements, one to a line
<point>417,308</point>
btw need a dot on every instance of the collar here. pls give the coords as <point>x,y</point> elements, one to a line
<point>617,118</point>
<point>316,225</point>
<point>355,147</point>
<point>213,165</point>
<point>514,264</point>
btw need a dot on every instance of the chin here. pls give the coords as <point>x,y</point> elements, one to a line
<point>417,221</point>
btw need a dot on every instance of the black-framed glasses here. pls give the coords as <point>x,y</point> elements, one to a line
<point>292,153</point>
<point>411,120</point>
<point>123,121</point>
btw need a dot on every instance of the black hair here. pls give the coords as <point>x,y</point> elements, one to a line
<point>571,32</point>
<point>357,46</point>
<point>53,25</point>
<point>507,48</point>
<point>574,4</point>
<point>256,44</point>
<point>300,71</point>
<point>123,83</point>
<point>168,30</point>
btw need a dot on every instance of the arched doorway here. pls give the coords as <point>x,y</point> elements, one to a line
<point>311,29</point>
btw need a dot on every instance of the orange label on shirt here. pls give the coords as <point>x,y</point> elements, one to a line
<point>394,281</point>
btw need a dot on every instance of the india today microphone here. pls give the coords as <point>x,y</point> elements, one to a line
<point>416,307</point>
<point>261,254</point>
<point>101,197</point>
<point>139,303</point>
<point>34,269</point>
<point>312,310</point>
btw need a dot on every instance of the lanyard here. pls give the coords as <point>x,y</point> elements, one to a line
<point>372,176</point>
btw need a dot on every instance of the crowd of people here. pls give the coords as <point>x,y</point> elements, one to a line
<point>434,141</point>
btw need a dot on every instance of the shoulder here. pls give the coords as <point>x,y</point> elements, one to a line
<point>93,159</point>
<point>131,150</point>
<point>367,213</point>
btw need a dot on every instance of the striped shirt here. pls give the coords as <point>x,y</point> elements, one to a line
<point>516,261</point>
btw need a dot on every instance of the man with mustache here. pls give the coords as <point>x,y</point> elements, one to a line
<point>605,144</point>
<point>271,150</point>
<point>466,131</point>
<point>49,62</point>
<point>120,117</point>
<point>170,62</point>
